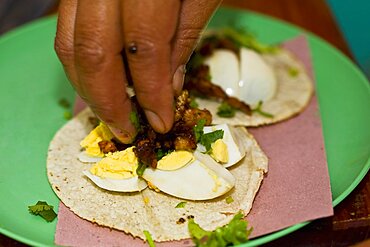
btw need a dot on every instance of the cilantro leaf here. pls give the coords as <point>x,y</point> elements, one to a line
<point>225,110</point>
<point>198,129</point>
<point>293,72</point>
<point>229,199</point>
<point>193,103</point>
<point>63,102</point>
<point>134,118</point>
<point>259,110</point>
<point>160,153</point>
<point>67,115</point>
<point>140,169</point>
<point>180,205</point>
<point>234,233</point>
<point>242,38</point>
<point>149,238</point>
<point>44,210</point>
<point>207,139</point>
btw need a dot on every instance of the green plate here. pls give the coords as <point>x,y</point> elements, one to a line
<point>32,81</point>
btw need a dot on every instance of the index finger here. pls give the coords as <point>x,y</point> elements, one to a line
<point>149,27</point>
<point>98,44</point>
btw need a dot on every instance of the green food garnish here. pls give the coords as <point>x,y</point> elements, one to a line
<point>180,205</point>
<point>242,38</point>
<point>140,169</point>
<point>198,129</point>
<point>293,72</point>
<point>149,238</point>
<point>193,103</point>
<point>134,118</point>
<point>229,199</point>
<point>207,139</point>
<point>225,110</point>
<point>160,153</point>
<point>63,102</point>
<point>67,115</point>
<point>234,233</point>
<point>195,61</point>
<point>258,109</point>
<point>44,210</point>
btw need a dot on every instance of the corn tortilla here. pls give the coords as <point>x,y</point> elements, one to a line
<point>148,210</point>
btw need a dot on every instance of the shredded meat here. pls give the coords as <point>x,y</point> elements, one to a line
<point>107,146</point>
<point>180,137</point>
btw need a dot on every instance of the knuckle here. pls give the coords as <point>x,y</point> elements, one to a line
<point>90,54</point>
<point>146,43</point>
<point>188,36</point>
<point>64,50</point>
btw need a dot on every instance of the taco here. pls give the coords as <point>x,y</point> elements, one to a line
<point>231,71</point>
<point>154,207</point>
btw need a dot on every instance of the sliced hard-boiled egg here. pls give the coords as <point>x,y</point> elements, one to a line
<point>117,172</point>
<point>90,143</point>
<point>247,77</point>
<point>175,160</point>
<point>229,149</point>
<point>85,158</point>
<point>201,179</point>
<point>224,70</point>
<point>119,185</point>
<point>257,79</point>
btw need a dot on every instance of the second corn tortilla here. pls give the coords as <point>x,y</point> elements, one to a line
<point>292,95</point>
<point>147,210</point>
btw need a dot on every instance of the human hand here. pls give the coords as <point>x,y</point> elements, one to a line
<point>102,43</point>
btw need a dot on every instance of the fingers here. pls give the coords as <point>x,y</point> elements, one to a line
<point>64,37</point>
<point>194,16</point>
<point>147,38</point>
<point>101,78</point>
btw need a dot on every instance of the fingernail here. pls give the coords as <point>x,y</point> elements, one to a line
<point>121,135</point>
<point>178,79</point>
<point>155,121</point>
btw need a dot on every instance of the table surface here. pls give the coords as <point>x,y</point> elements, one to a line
<point>351,221</point>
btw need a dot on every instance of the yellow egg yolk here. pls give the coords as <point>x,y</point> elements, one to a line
<point>219,151</point>
<point>117,165</point>
<point>91,141</point>
<point>175,160</point>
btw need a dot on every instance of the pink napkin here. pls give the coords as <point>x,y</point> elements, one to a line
<point>296,188</point>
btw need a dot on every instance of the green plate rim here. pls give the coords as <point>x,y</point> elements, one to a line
<point>314,38</point>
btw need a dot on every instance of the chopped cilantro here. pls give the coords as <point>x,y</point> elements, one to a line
<point>63,102</point>
<point>258,109</point>
<point>234,233</point>
<point>67,115</point>
<point>198,129</point>
<point>149,238</point>
<point>134,118</point>
<point>193,103</point>
<point>242,38</point>
<point>293,72</point>
<point>195,61</point>
<point>160,153</point>
<point>225,110</point>
<point>229,199</point>
<point>207,139</point>
<point>140,169</point>
<point>180,205</point>
<point>44,210</point>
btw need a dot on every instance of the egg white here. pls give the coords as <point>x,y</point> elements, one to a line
<point>235,153</point>
<point>202,179</point>
<point>85,158</point>
<point>119,185</point>
<point>247,77</point>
